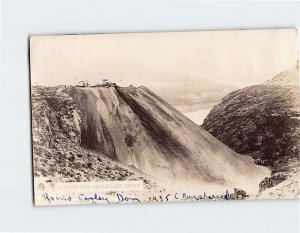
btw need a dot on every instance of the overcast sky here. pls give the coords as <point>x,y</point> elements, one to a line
<point>241,58</point>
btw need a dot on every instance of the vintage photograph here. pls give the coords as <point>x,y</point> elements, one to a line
<point>165,117</point>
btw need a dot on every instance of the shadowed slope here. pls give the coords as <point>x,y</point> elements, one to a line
<point>138,128</point>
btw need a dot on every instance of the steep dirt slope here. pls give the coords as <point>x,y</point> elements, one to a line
<point>136,127</point>
<point>57,154</point>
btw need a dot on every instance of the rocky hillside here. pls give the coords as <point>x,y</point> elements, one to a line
<point>283,183</point>
<point>57,155</point>
<point>262,121</point>
<point>139,129</point>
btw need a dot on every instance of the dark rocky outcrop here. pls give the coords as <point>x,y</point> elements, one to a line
<point>54,113</point>
<point>262,121</point>
<point>284,180</point>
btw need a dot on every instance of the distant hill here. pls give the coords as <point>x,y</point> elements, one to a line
<point>194,96</point>
<point>288,78</point>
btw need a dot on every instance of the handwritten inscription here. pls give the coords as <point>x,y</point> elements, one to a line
<point>51,199</point>
<point>94,197</point>
<point>122,198</point>
<point>225,196</point>
<point>160,198</point>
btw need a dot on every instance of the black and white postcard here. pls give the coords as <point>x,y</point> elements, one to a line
<point>165,117</point>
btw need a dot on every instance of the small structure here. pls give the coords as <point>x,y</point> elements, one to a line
<point>84,83</point>
<point>106,83</point>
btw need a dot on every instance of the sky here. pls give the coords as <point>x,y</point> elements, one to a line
<point>239,57</point>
